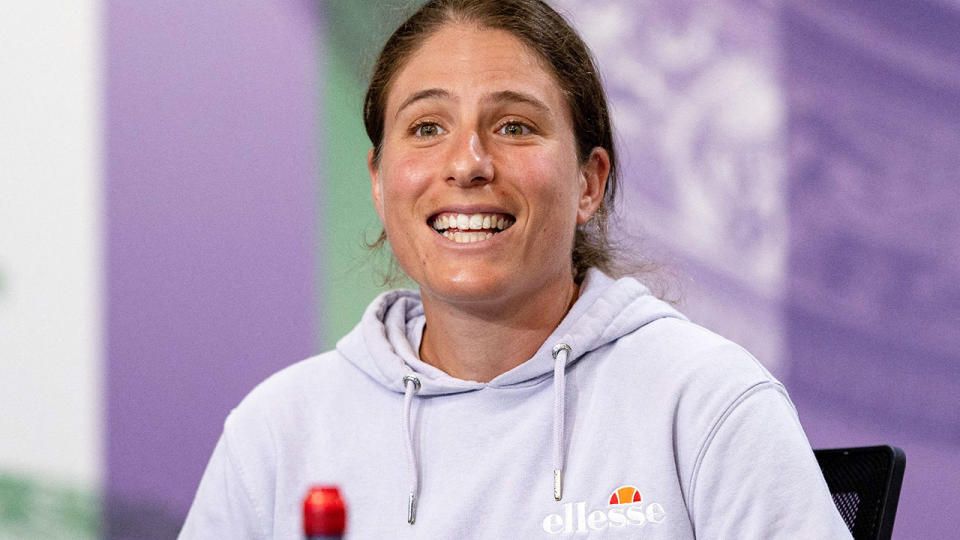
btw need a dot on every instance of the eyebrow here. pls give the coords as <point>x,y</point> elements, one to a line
<point>501,97</point>
<point>430,93</point>
<point>510,96</point>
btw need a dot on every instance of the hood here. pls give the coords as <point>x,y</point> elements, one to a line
<point>606,309</point>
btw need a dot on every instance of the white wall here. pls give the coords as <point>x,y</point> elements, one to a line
<point>51,331</point>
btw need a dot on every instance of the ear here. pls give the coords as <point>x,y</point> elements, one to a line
<point>593,183</point>
<point>376,190</point>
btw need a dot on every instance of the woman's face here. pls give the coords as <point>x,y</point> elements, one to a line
<point>479,187</point>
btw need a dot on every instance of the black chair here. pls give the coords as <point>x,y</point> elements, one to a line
<point>865,484</point>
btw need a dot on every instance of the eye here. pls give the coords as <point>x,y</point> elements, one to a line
<point>515,129</point>
<point>427,129</point>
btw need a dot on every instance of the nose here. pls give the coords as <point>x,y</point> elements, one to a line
<point>470,163</point>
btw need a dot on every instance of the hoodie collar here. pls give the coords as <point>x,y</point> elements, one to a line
<point>384,344</point>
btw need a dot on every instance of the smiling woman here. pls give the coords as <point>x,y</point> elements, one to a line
<point>520,367</point>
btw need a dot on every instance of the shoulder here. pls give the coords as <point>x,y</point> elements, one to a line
<point>709,374</point>
<point>295,380</point>
<point>693,371</point>
<point>685,374</point>
<point>298,395</point>
<point>682,354</point>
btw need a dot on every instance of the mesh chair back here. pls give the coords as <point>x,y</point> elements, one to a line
<point>865,484</point>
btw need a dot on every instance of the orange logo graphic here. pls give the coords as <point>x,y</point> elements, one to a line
<point>625,495</point>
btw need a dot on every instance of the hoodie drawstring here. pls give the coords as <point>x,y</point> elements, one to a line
<point>560,353</point>
<point>411,385</point>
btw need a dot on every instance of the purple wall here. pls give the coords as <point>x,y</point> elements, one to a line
<point>873,298</point>
<point>212,167</point>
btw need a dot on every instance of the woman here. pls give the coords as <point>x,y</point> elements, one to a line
<point>522,392</point>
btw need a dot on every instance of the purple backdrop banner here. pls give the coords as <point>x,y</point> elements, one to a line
<point>212,162</point>
<point>873,296</point>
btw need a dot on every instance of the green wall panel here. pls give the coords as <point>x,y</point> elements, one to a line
<point>352,276</point>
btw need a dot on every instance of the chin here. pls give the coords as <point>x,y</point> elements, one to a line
<point>472,287</point>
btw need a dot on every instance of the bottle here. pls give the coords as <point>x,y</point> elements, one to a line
<point>324,514</point>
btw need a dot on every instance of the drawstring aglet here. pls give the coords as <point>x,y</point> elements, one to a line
<point>557,484</point>
<point>412,508</point>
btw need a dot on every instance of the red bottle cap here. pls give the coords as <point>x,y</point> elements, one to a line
<point>323,512</point>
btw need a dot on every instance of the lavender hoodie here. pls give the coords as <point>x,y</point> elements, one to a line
<point>628,422</point>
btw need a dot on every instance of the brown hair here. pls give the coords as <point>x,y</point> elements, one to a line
<point>546,33</point>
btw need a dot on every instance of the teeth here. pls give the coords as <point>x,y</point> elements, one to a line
<point>467,237</point>
<point>472,222</point>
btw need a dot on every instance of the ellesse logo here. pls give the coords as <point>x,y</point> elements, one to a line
<point>627,508</point>
<point>625,495</point>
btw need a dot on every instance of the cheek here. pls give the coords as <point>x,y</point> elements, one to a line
<point>553,186</point>
<point>403,180</point>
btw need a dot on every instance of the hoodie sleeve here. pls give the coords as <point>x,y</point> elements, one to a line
<point>756,475</point>
<point>225,506</point>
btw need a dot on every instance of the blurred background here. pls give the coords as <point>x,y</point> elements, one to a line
<point>184,199</point>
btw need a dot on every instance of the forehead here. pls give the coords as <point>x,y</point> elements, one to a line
<point>469,61</point>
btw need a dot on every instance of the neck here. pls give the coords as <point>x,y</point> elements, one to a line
<point>479,342</point>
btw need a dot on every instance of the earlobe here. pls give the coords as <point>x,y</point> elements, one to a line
<point>593,184</point>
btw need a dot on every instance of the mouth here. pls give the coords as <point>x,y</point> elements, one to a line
<point>469,228</point>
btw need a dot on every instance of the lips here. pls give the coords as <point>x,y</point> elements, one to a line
<point>468,228</point>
